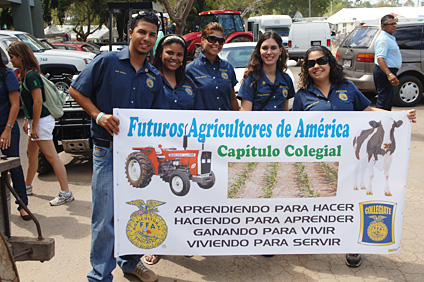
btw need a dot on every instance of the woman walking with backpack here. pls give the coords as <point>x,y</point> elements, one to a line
<point>38,123</point>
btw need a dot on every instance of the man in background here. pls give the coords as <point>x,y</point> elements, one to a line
<point>388,61</point>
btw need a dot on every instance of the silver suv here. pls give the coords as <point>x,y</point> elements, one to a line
<point>356,55</point>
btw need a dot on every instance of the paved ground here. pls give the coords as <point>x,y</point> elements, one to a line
<point>69,225</point>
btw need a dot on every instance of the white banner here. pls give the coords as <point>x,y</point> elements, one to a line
<point>239,183</point>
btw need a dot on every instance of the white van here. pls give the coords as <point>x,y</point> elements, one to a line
<point>278,23</point>
<point>304,35</point>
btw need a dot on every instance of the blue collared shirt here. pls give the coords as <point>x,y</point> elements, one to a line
<point>110,81</point>
<point>259,92</point>
<point>215,82</point>
<point>183,97</point>
<point>7,84</point>
<point>342,97</point>
<point>386,47</point>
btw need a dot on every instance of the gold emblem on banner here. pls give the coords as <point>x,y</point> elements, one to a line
<point>146,229</point>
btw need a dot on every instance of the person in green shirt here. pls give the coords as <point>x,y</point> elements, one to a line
<point>38,123</point>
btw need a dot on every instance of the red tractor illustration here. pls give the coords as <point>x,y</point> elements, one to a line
<point>177,167</point>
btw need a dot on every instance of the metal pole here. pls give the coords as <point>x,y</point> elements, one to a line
<point>310,8</point>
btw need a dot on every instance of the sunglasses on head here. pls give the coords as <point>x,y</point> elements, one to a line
<point>213,39</point>
<point>320,61</point>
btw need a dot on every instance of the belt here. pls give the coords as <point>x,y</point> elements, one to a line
<point>101,142</point>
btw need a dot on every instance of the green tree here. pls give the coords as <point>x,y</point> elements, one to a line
<point>290,7</point>
<point>387,3</point>
<point>178,12</point>
<point>88,13</point>
<point>6,18</point>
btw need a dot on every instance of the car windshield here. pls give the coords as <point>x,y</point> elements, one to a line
<point>6,41</point>
<point>238,57</point>
<point>282,31</point>
<point>360,38</point>
<point>32,42</point>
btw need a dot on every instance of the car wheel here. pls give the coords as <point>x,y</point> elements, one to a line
<point>409,92</point>
<point>62,83</point>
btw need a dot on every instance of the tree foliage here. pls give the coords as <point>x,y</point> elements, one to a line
<point>178,13</point>
<point>88,13</point>
<point>6,18</point>
<point>290,7</point>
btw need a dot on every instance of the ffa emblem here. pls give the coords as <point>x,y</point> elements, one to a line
<point>146,229</point>
<point>377,223</point>
<point>285,93</point>
<point>150,83</point>
<point>263,82</point>
<point>343,96</point>
<point>224,75</point>
<point>188,91</point>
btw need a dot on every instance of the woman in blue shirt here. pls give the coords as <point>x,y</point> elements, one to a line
<point>170,59</point>
<point>266,86</point>
<point>9,130</point>
<point>325,88</point>
<point>214,77</point>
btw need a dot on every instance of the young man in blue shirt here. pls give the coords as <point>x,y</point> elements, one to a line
<point>122,79</point>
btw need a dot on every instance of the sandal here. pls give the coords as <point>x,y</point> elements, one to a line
<point>151,259</point>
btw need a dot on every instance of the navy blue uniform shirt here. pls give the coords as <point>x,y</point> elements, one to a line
<point>259,92</point>
<point>110,81</point>
<point>183,97</point>
<point>342,97</point>
<point>7,84</point>
<point>215,82</point>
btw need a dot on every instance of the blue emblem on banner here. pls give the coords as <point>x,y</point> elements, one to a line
<point>377,223</point>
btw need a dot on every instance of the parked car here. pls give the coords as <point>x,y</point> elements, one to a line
<point>78,46</point>
<point>46,43</point>
<point>60,64</point>
<point>72,131</point>
<point>304,35</point>
<point>5,41</point>
<point>238,55</point>
<point>356,55</point>
<point>105,48</point>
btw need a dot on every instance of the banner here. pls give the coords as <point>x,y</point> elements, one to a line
<point>240,183</point>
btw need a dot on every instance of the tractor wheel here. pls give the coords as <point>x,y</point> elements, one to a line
<point>139,170</point>
<point>209,184</point>
<point>179,183</point>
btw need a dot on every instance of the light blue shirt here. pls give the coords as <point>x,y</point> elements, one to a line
<point>387,48</point>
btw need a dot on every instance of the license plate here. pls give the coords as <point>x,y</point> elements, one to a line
<point>316,43</point>
<point>347,63</point>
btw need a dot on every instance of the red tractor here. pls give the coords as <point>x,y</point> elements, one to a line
<point>177,167</point>
<point>229,19</point>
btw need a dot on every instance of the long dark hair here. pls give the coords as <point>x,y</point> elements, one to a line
<point>336,71</point>
<point>157,61</point>
<point>255,65</point>
<point>29,62</point>
<point>3,70</point>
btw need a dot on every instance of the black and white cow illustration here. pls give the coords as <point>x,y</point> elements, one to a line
<point>374,147</point>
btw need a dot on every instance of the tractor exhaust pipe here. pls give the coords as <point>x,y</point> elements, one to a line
<point>185,141</point>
